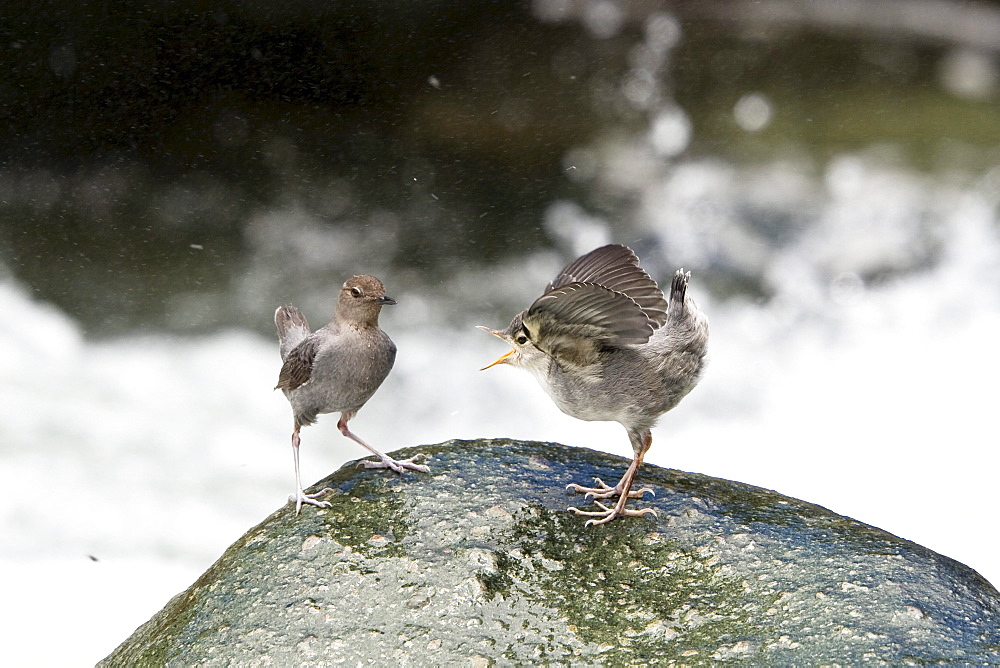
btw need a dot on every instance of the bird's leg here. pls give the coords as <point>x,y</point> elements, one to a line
<point>386,461</point>
<point>606,514</point>
<point>300,496</point>
<point>640,443</point>
<point>641,440</point>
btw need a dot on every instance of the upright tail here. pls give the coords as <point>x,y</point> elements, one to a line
<point>292,328</point>
<point>678,290</point>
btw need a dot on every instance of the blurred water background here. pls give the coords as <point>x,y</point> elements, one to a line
<point>828,171</point>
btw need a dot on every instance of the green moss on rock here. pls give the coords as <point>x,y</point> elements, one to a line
<point>479,561</point>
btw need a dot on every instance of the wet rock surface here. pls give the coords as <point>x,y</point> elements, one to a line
<point>479,562</point>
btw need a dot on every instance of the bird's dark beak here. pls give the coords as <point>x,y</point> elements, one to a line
<point>386,300</point>
<point>503,359</point>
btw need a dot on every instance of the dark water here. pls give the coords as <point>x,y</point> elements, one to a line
<point>183,168</point>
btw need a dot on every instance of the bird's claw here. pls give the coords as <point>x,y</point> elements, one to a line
<point>310,499</point>
<point>633,494</point>
<point>398,465</point>
<point>604,491</point>
<point>606,514</point>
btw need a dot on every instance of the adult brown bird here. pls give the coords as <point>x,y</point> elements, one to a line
<point>337,368</point>
<point>605,345</point>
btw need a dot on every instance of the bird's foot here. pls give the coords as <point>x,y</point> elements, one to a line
<point>605,514</point>
<point>603,491</point>
<point>399,465</point>
<point>301,497</point>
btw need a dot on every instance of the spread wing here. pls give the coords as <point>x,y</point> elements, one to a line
<point>297,369</point>
<point>573,322</point>
<point>616,267</point>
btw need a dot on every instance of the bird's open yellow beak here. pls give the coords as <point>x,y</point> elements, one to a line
<point>503,358</point>
<point>500,360</point>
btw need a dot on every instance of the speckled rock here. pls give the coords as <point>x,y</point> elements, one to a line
<point>479,563</point>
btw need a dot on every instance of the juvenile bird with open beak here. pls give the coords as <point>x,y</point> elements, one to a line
<point>337,368</point>
<point>605,345</point>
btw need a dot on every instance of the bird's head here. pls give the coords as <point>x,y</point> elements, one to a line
<point>523,352</point>
<point>361,298</point>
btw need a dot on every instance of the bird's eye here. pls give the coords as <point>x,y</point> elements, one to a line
<point>522,339</point>
<point>356,292</point>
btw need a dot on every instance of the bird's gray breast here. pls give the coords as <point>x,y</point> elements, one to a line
<point>620,387</point>
<point>347,370</point>
<point>632,385</point>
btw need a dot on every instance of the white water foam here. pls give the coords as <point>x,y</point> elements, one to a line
<point>152,454</point>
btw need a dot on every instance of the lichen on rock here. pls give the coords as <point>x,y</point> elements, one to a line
<point>480,562</point>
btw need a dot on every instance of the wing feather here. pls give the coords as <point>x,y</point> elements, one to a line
<point>297,369</point>
<point>575,321</point>
<point>617,268</point>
